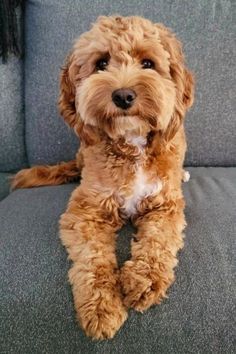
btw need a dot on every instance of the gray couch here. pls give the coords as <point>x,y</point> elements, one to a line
<point>36,309</point>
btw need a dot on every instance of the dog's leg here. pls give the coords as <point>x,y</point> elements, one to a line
<point>88,232</point>
<point>147,276</point>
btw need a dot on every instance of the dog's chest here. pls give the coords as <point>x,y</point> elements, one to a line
<point>139,189</point>
<point>141,186</point>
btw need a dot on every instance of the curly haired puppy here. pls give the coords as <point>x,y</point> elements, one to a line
<point>125,90</point>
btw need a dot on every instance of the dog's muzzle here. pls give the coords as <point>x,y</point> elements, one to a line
<point>123,98</point>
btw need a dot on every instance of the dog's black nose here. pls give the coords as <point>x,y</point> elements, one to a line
<point>123,98</point>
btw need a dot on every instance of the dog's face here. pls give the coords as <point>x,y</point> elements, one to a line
<point>126,74</point>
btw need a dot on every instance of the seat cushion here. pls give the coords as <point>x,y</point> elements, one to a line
<point>36,304</point>
<point>4,184</point>
<point>207,30</point>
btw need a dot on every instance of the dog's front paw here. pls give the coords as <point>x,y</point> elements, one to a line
<point>102,315</point>
<point>143,285</point>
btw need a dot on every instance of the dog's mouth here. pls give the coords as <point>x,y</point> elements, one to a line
<point>122,123</point>
<point>130,112</point>
<point>124,113</point>
<point>151,120</point>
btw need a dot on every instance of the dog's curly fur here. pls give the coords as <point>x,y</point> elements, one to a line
<point>131,166</point>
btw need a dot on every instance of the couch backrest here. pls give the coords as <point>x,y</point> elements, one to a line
<point>12,138</point>
<point>207,31</point>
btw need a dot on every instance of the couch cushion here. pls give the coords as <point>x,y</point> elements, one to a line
<point>4,184</point>
<point>207,31</point>
<point>36,303</point>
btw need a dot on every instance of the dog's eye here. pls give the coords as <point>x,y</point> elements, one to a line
<point>101,64</point>
<point>147,64</point>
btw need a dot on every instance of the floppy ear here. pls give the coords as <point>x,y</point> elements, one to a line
<point>182,77</point>
<point>66,100</point>
<point>68,79</point>
<point>188,96</point>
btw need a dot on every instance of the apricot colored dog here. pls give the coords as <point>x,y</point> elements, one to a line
<point>125,90</point>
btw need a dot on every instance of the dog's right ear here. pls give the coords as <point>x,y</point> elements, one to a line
<point>68,79</point>
<point>66,100</point>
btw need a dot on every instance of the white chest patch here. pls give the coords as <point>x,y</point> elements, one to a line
<point>138,141</point>
<point>140,190</point>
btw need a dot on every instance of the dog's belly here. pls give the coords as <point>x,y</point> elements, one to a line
<point>140,189</point>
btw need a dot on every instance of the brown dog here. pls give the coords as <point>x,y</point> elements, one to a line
<point>125,90</point>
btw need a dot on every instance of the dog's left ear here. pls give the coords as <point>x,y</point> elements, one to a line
<point>182,77</point>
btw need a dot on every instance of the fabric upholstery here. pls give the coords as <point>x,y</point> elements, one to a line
<point>36,307</point>
<point>4,184</point>
<point>12,150</point>
<point>207,31</point>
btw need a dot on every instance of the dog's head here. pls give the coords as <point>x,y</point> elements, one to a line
<point>125,74</point>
